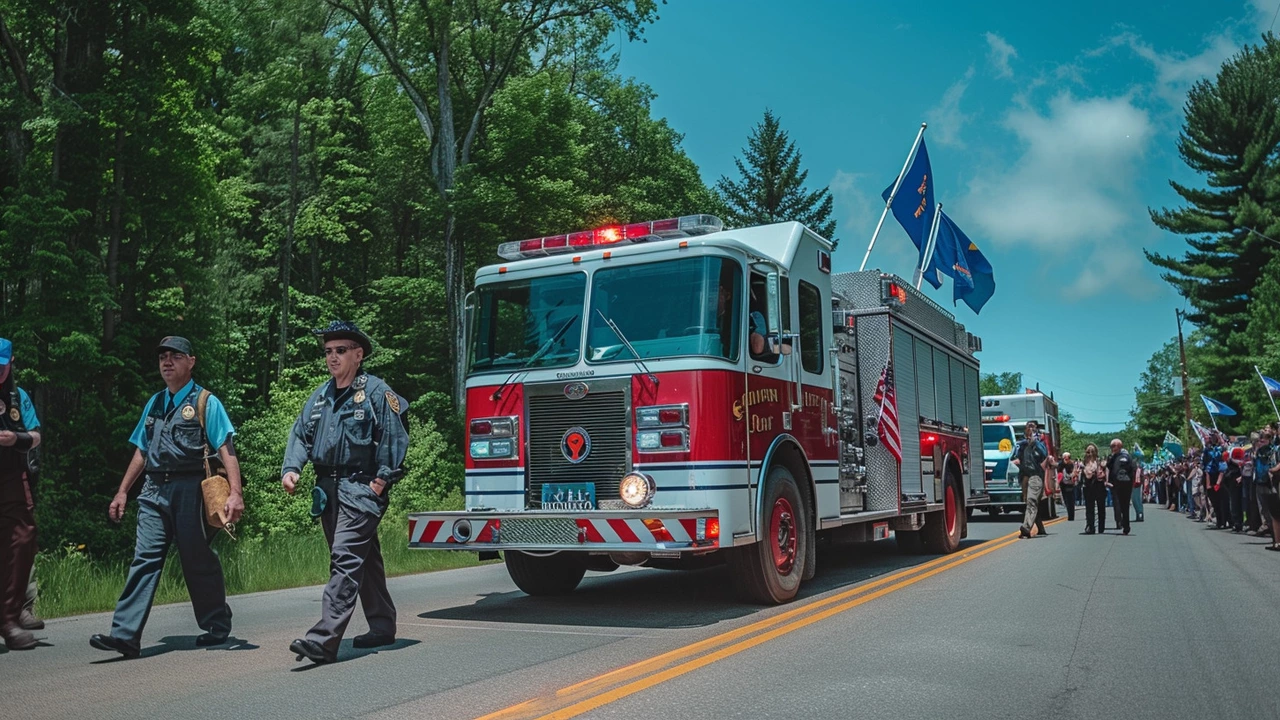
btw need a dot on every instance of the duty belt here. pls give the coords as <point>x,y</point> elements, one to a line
<point>342,472</point>
<point>164,476</point>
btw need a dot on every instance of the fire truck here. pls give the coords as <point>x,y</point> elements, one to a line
<point>672,394</point>
<point>1004,421</point>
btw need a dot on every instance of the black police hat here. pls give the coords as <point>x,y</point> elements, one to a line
<point>175,344</point>
<point>343,330</point>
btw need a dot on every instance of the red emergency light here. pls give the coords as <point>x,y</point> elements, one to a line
<point>671,228</point>
<point>996,419</point>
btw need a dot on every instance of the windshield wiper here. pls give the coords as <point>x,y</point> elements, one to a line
<point>546,347</point>
<point>618,331</point>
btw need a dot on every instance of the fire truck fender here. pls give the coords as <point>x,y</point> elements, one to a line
<point>786,450</point>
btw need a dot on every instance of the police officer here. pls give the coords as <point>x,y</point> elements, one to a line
<point>171,451</point>
<point>19,434</point>
<point>352,430</point>
<point>1030,456</point>
<point>1121,472</point>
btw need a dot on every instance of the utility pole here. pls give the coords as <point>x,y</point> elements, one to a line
<point>1186,389</point>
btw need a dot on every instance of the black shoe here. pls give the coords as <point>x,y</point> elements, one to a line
<point>372,640</point>
<point>210,640</point>
<point>1126,531</point>
<point>114,644</point>
<point>1024,533</point>
<point>311,650</point>
<point>1088,531</point>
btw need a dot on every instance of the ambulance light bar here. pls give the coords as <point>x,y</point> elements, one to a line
<point>670,228</point>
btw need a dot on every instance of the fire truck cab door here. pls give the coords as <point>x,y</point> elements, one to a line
<point>770,392</point>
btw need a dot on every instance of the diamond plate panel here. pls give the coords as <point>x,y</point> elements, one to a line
<point>862,290</point>
<point>882,469</point>
<point>908,410</point>
<point>553,531</point>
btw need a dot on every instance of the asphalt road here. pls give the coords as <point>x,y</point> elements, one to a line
<point>1174,621</point>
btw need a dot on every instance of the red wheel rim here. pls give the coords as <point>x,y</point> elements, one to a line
<point>949,505</point>
<point>782,529</point>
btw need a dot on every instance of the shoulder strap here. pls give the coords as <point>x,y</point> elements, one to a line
<point>202,404</point>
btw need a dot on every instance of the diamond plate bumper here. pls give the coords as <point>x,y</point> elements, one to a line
<point>645,530</point>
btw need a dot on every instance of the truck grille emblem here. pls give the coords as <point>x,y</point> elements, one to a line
<point>575,390</point>
<point>575,445</point>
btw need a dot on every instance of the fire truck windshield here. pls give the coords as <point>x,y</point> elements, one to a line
<point>671,308</point>
<point>532,323</point>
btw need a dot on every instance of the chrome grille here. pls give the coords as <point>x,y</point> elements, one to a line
<point>550,531</point>
<point>603,415</point>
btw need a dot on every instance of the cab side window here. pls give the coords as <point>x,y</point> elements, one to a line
<point>811,317</point>
<point>757,325</point>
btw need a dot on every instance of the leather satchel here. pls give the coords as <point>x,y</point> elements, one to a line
<point>215,487</point>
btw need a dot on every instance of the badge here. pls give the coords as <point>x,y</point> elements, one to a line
<point>359,397</point>
<point>188,412</point>
<point>394,402</point>
<point>575,445</point>
<point>14,414</point>
<point>576,390</point>
<point>359,415</point>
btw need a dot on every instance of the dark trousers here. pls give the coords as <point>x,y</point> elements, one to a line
<point>1069,500</point>
<point>1221,506</point>
<point>1234,491</point>
<point>17,545</point>
<point>1252,514</point>
<point>355,571</point>
<point>1122,496</point>
<point>172,512</point>
<point>1095,503</point>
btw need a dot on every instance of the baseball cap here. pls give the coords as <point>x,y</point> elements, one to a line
<point>176,344</point>
<point>6,351</point>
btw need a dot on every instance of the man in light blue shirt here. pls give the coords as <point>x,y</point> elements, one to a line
<point>181,428</point>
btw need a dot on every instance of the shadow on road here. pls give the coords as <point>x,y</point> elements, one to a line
<point>347,653</point>
<point>671,599</point>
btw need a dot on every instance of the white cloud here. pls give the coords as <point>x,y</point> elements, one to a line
<point>946,119</point>
<point>1072,182</point>
<point>1264,14</point>
<point>1110,269</point>
<point>1177,72</point>
<point>1071,189</point>
<point>999,51</point>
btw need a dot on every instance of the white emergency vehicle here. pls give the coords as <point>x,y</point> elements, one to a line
<point>1004,421</point>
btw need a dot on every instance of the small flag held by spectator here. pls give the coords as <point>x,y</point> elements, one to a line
<point>1217,408</point>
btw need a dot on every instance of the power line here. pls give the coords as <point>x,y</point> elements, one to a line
<point>1273,17</point>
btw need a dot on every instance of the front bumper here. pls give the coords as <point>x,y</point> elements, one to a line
<point>644,530</point>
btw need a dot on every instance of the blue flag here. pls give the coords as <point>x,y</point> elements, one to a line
<point>913,205</point>
<point>1273,385</point>
<point>975,280</point>
<point>1217,408</point>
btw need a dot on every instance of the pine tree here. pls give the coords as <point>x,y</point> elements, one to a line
<point>772,186</point>
<point>1230,137</point>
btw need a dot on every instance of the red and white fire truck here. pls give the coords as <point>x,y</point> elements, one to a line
<point>660,392</point>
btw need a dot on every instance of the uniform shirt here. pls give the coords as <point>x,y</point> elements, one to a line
<point>1030,455</point>
<point>28,411</point>
<point>218,426</point>
<point>13,460</point>
<point>335,429</point>
<point>1121,464</point>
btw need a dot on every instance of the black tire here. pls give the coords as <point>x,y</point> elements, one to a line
<point>536,575</point>
<point>943,528</point>
<point>770,571</point>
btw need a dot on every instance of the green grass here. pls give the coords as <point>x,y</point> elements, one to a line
<point>71,583</point>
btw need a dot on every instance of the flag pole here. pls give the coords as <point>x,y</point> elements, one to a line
<point>892,194</point>
<point>931,246</point>
<point>1268,389</point>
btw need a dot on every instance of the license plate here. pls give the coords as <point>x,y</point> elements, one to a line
<point>569,496</point>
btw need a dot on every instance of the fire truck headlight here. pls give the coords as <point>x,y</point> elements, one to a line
<point>636,489</point>
<point>480,449</point>
<point>649,440</point>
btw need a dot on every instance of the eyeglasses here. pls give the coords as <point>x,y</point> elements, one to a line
<point>340,349</point>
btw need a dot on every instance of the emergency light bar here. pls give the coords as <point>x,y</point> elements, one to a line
<point>668,229</point>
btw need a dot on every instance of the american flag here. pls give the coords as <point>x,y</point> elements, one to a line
<point>887,426</point>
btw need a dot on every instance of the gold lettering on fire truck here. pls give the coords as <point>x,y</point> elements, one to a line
<point>751,399</point>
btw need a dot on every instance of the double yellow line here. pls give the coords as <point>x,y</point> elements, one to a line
<point>603,689</point>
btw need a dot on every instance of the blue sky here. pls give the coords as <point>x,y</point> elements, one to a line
<point>1051,131</point>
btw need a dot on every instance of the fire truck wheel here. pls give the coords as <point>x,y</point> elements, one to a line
<point>556,574</point>
<point>769,571</point>
<point>942,529</point>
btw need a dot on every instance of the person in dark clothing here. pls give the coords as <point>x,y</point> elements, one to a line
<point>1120,474</point>
<point>1232,489</point>
<point>1215,466</point>
<point>19,435</point>
<point>1030,457</point>
<point>1093,482</point>
<point>1069,469</point>
<point>352,431</point>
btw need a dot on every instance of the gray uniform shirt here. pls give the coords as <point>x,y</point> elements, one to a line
<point>359,427</point>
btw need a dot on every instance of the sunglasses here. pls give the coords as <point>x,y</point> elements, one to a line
<point>341,350</point>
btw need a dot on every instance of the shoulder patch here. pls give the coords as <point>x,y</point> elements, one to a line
<point>394,401</point>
